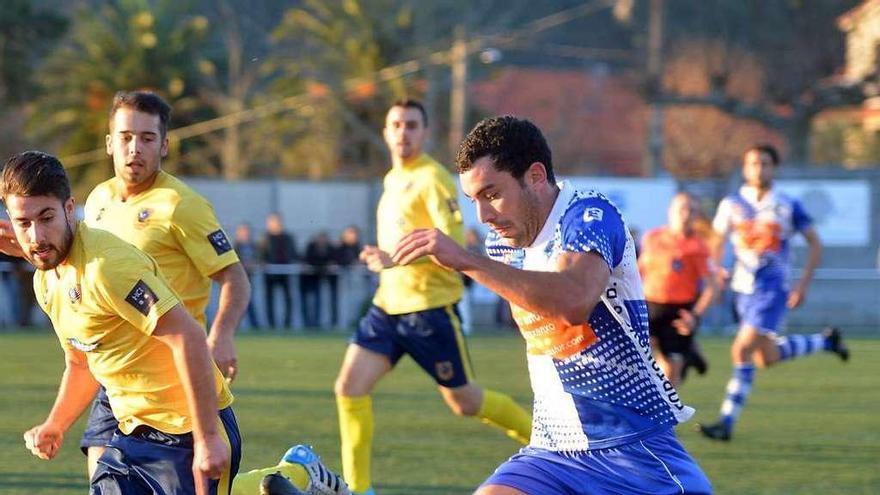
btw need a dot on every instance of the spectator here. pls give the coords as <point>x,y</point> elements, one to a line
<point>249,255</point>
<point>349,247</point>
<point>10,291</point>
<point>345,255</point>
<point>278,248</point>
<point>21,281</point>
<point>319,255</point>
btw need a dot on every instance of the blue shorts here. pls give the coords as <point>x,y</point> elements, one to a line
<point>149,461</point>
<point>432,337</point>
<point>100,425</point>
<point>655,465</point>
<point>764,309</point>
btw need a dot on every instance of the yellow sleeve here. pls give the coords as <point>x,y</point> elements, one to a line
<point>129,285</point>
<point>441,203</point>
<point>39,285</point>
<point>198,232</point>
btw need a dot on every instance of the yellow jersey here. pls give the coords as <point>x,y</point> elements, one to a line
<point>105,300</point>
<point>173,224</point>
<point>419,195</point>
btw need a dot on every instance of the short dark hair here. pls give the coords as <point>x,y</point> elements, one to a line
<point>410,103</point>
<point>34,173</point>
<point>143,101</point>
<point>514,144</point>
<point>768,149</point>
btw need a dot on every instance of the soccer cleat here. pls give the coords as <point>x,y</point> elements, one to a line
<point>276,484</point>
<point>698,361</point>
<point>322,481</point>
<point>836,339</point>
<point>693,359</point>
<point>717,431</point>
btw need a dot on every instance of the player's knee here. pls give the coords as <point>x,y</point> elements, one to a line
<point>740,352</point>
<point>463,405</point>
<point>344,387</point>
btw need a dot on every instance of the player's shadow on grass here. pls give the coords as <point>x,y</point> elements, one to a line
<point>41,481</point>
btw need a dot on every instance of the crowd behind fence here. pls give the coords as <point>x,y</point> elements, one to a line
<point>849,298</point>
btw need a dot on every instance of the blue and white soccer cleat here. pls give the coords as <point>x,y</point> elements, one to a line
<point>322,481</point>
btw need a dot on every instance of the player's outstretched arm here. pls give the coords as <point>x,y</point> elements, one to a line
<point>814,256</point>
<point>77,389</point>
<point>189,348</point>
<point>569,293</point>
<point>235,292</point>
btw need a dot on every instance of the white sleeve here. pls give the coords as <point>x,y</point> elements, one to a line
<point>721,223</point>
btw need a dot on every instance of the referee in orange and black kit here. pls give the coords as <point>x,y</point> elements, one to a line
<point>678,284</point>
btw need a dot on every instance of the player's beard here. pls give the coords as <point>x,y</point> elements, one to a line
<point>61,251</point>
<point>528,228</point>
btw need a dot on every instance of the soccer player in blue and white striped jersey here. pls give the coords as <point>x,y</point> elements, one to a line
<point>604,412</point>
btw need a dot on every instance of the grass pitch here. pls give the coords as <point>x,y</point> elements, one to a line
<point>811,426</point>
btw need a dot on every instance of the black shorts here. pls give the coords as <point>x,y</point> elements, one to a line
<point>432,337</point>
<point>660,318</point>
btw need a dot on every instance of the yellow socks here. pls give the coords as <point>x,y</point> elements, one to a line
<point>500,410</point>
<point>249,483</point>
<point>356,432</point>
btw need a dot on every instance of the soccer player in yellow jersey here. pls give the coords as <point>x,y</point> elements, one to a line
<point>414,309</point>
<point>121,326</point>
<point>163,217</point>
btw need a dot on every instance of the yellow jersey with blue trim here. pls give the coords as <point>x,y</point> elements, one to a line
<point>173,224</point>
<point>105,300</point>
<point>419,195</point>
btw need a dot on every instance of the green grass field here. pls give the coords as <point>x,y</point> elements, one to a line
<point>811,426</point>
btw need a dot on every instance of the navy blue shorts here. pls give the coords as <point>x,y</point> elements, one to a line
<point>100,425</point>
<point>150,462</point>
<point>764,309</point>
<point>432,337</point>
<point>655,465</point>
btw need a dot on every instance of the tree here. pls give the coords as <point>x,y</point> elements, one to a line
<point>353,57</point>
<point>795,46</point>
<point>118,45</point>
<point>703,141</point>
<point>233,77</point>
<point>26,35</point>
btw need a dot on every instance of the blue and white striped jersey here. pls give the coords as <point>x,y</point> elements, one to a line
<point>760,232</point>
<point>597,385</point>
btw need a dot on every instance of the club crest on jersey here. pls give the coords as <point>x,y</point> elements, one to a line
<point>445,370</point>
<point>82,346</point>
<point>143,215</point>
<point>75,294</point>
<point>593,213</point>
